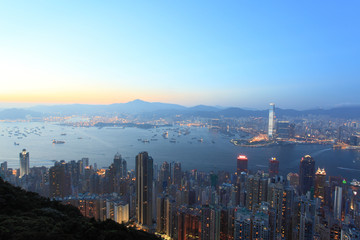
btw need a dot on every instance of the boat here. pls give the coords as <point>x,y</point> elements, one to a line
<point>58,142</point>
<point>16,144</point>
<point>165,134</point>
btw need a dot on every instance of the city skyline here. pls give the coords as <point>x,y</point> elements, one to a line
<point>237,54</point>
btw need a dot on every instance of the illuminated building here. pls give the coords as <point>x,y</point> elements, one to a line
<point>59,180</point>
<point>121,212</point>
<point>189,223</point>
<point>242,224</point>
<point>271,120</point>
<point>227,223</point>
<point>306,221</point>
<point>293,179</point>
<point>281,200</point>
<point>273,167</point>
<point>256,190</point>
<point>260,226</point>
<point>144,185</point>
<point>335,231</point>
<point>210,223</point>
<point>320,178</point>
<point>242,164</point>
<point>306,174</point>
<point>24,163</point>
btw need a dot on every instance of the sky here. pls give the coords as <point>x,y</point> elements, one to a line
<point>298,54</point>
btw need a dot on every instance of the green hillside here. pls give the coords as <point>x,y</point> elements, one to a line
<point>26,215</point>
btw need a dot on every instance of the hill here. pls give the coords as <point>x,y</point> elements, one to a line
<point>26,215</point>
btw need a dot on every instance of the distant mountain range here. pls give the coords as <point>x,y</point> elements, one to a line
<point>157,109</point>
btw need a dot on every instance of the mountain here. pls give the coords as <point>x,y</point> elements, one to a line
<point>134,107</point>
<point>151,110</point>
<point>26,215</point>
<point>15,113</point>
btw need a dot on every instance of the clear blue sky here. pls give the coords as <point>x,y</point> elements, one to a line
<point>298,54</point>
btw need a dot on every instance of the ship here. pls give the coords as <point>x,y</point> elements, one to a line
<point>58,142</point>
<point>165,134</point>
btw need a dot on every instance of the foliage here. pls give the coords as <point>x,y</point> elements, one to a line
<point>26,215</point>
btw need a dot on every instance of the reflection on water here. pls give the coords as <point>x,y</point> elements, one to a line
<point>213,152</point>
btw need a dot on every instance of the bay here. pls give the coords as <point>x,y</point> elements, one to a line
<point>213,153</point>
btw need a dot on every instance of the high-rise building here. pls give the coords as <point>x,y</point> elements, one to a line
<point>306,174</point>
<point>144,185</point>
<point>320,178</point>
<point>176,174</point>
<point>210,223</point>
<point>271,120</point>
<point>24,163</point>
<point>118,165</point>
<point>188,223</point>
<point>283,129</point>
<point>59,180</point>
<point>227,218</point>
<point>164,176</point>
<point>242,164</point>
<point>256,190</point>
<point>273,167</point>
<point>337,202</point>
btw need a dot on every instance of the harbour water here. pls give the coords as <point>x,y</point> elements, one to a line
<point>199,148</point>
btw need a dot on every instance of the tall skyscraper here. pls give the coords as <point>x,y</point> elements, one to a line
<point>273,167</point>
<point>306,174</point>
<point>24,163</point>
<point>118,165</point>
<point>144,185</point>
<point>337,202</point>
<point>320,178</point>
<point>176,175</point>
<point>242,164</point>
<point>271,120</point>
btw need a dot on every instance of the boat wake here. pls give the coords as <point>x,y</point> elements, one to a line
<point>348,169</point>
<point>319,152</point>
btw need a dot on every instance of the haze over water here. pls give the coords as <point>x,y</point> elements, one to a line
<point>213,154</point>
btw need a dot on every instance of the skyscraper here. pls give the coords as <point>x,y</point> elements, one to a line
<point>320,177</point>
<point>118,165</point>
<point>271,120</point>
<point>144,184</point>
<point>306,174</point>
<point>338,202</point>
<point>283,129</point>
<point>176,175</point>
<point>24,163</point>
<point>273,167</point>
<point>242,164</point>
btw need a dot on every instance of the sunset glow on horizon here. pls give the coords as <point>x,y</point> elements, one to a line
<point>238,54</point>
